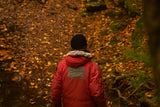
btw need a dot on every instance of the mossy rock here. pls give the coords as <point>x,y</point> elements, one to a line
<point>95,6</point>
<point>113,14</point>
<point>131,6</point>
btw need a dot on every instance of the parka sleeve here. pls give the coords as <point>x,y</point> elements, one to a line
<point>96,87</point>
<point>57,86</point>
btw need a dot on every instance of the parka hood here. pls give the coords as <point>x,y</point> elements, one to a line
<point>77,58</point>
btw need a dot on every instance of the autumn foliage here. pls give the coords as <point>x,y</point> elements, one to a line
<point>35,35</point>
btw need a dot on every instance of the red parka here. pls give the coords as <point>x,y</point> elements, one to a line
<point>79,81</point>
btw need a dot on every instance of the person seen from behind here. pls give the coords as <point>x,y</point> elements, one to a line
<point>78,79</point>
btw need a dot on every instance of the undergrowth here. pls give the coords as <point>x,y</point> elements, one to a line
<point>142,81</point>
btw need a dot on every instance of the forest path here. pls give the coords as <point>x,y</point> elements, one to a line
<point>35,37</point>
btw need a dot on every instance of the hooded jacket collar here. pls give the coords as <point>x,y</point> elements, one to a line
<point>77,58</point>
<point>80,53</point>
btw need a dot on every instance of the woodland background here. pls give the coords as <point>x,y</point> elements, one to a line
<point>35,35</point>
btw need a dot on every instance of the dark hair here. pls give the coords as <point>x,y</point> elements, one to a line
<point>78,42</point>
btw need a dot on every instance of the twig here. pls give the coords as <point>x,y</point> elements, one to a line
<point>119,94</point>
<point>118,77</point>
<point>135,90</point>
<point>128,88</point>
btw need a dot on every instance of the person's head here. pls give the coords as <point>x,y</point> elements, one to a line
<point>79,42</point>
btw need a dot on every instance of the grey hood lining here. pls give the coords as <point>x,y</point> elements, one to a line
<point>80,53</point>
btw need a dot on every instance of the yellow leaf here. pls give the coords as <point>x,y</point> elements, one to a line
<point>2,45</point>
<point>35,86</point>
<point>16,70</point>
<point>14,67</point>
<point>49,85</point>
<point>109,102</point>
<point>12,64</point>
<point>109,69</point>
<point>5,29</point>
<point>32,83</point>
<point>9,58</point>
<point>58,5</point>
<point>108,76</point>
<point>32,102</point>
<point>36,58</point>
<point>40,92</point>
<point>44,97</point>
<point>107,64</point>
<point>1,9</point>
<point>46,92</point>
<point>14,78</point>
<point>25,4</point>
<point>43,10</point>
<point>107,44</point>
<point>61,53</point>
<point>44,55</point>
<point>31,28</point>
<point>30,72</point>
<point>39,79</point>
<point>49,63</point>
<point>22,73</point>
<point>9,37</point>
<point>148,94</point>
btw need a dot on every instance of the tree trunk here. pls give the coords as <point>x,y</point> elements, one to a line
<point>152,22</point>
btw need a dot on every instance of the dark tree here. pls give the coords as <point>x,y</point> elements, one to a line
<point>152,22</point>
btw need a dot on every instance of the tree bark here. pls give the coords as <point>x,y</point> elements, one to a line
<point>152,23</point>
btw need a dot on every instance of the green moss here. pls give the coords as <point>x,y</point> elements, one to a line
<point>138,52</point>
<point>83,13</point>
<point>118,25</point>
<point>141,77</point>
<point>137,38</point>
<point>156,100</point>
<point>138,55</point>
<point>132,7</point>
<point>139,82</point>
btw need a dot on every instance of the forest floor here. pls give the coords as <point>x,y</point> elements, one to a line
<point>34,37</point>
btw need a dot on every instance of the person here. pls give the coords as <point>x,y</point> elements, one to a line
<point>77,79</point>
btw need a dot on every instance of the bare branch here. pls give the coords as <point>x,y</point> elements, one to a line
<point>119,94</point>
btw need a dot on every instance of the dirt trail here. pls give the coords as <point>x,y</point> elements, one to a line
<point>35,37</point>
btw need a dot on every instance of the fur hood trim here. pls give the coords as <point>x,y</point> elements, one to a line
<point>80,53</point>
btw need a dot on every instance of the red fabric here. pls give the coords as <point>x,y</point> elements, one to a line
<point>87,92</point>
